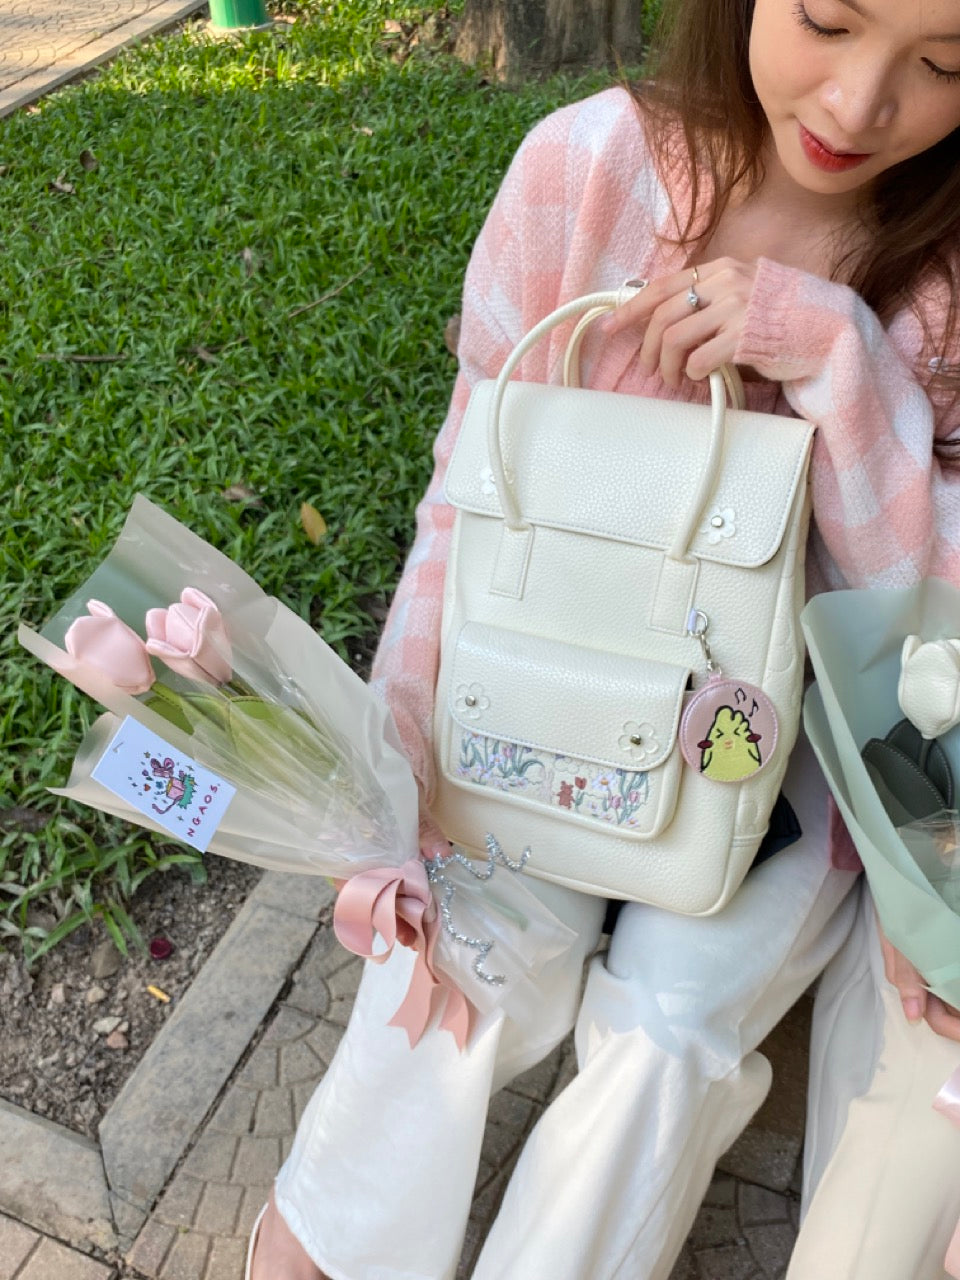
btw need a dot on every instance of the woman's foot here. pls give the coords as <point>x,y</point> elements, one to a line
<point>277,1253</point>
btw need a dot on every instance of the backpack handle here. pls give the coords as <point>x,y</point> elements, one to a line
<point>590,307</point>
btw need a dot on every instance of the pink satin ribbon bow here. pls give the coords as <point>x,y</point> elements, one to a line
<point>397,903</point>
<point>947,1102</point>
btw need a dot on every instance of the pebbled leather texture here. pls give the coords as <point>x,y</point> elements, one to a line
<point>565,698</point>
<point>603,480</point>
<point>572,451</point>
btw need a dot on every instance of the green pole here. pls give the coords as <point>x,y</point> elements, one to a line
<point>229,15</point>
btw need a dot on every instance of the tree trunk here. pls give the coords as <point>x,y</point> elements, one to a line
<point>519,38</point>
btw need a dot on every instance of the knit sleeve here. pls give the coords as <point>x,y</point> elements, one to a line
<point>885,472</point>
<point>497,292</point>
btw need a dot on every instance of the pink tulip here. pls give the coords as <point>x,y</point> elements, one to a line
<point>105,642</point>
<point>190,637</point>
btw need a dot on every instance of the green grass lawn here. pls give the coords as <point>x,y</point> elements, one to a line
<point>175,216</point>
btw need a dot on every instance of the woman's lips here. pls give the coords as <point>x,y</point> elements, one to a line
<point>821,157</point>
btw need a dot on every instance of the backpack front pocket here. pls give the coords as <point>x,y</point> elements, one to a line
<point>588,735</point>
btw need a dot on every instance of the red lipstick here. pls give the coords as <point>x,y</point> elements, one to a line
<point>821,157</point>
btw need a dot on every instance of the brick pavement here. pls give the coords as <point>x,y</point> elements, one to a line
<point>199,1227</point>
<point>44,43</point>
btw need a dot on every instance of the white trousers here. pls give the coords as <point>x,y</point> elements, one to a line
<point>379,1182</point>
<point>881,1167</point>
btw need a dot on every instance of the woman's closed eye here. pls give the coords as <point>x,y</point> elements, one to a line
<point>808,23</point>
<point>941,72</point>
<point>951,75</point>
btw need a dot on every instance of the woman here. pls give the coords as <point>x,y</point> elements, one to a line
<point>804,158</point>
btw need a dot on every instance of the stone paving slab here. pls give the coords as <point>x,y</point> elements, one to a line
<point>28,1255</point>
<point>164,1102</point>
<point>45,43</point>
<point>53,1179</point>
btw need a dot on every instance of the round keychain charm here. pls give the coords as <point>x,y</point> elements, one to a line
<point>728,731</point>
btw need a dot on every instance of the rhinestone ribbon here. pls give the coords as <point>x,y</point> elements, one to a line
<point>435,869</point>
<point>398,904</point>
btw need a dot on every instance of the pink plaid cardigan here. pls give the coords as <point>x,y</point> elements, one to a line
<point>583,208</point>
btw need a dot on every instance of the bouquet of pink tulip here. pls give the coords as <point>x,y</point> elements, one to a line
<point>260,744</point>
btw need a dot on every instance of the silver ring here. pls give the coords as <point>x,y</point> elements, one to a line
<point>693,298</point>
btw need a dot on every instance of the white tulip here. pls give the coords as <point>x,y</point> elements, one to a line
<point>929,687</point>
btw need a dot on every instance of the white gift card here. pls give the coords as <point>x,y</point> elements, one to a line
<point>185,798</point>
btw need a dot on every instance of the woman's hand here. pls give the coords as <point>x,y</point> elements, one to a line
<point>433,843</point>
<point>918,1003</point>
<point>694,318</point>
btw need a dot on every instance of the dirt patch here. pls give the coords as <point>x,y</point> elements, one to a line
<point>71,1038</point>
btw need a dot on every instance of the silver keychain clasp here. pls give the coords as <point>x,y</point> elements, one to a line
<point>697,625</point>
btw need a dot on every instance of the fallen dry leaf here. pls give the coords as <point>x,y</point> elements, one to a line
<point>314,525</point>
<point>23,818</point>
<point>451,334</point>
<point>61,186</point>
<point>89,161</point>
<point>243,493</point>
<point>250,261</point>
<point>364,129</point>
<point>392,28</point>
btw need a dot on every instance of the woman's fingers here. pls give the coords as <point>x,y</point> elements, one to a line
<point>918,1004</point>
<point>433,843</point>
<point>901,974</point>
<point>943,1019</point>
<point>692,320</point>
<point>638,309</point>
<point>673,331</point>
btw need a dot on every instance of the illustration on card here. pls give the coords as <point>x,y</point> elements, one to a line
<point>170,784</point>
<point>183,797</point>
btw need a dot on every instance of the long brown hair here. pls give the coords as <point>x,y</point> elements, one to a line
<point>702,103</point>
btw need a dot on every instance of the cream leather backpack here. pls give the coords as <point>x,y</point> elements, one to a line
<point>621,662</point>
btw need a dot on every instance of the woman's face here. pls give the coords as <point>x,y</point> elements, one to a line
<point>851,87</point>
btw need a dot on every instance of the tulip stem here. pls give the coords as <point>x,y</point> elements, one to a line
<point>168,704</point>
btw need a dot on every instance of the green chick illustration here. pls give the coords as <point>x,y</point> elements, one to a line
<point>729,751</point>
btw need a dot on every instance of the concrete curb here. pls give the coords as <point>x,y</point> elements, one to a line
<point>99,1196</point>
<point>89,54</point>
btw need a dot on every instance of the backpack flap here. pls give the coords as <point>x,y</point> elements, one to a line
<point>565,449</point>
<point>546,723</point>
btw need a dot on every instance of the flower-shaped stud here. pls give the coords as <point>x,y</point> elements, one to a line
<point>638,740</point>
<point>929,687</point>
<point>720,523</point>
<point>471,701</point>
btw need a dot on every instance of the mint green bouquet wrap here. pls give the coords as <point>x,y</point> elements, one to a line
<point>855,639</point>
